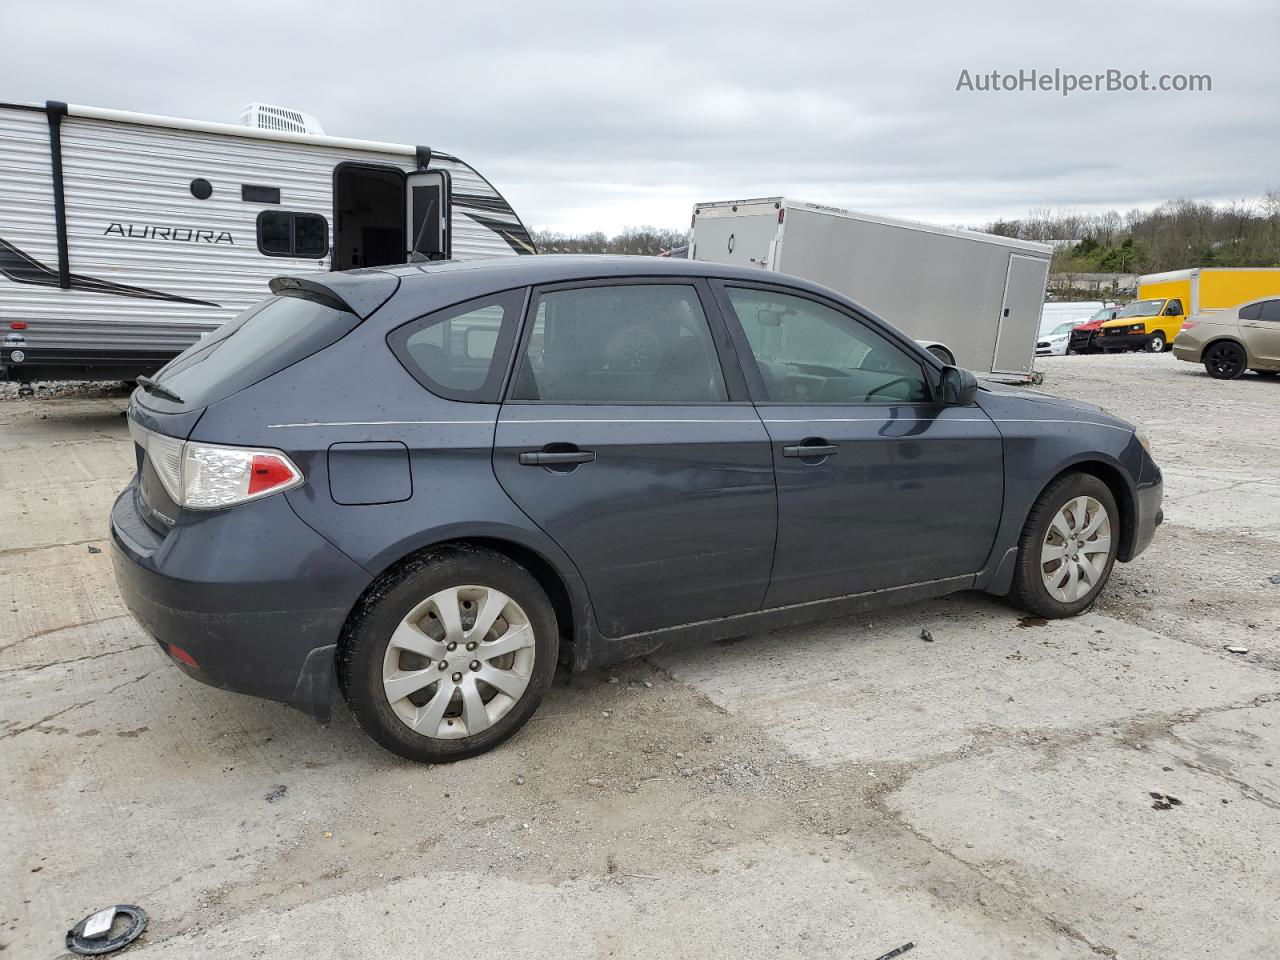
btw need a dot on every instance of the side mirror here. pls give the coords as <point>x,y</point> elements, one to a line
<point>959,387</point>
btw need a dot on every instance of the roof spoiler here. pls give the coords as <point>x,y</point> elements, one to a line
<point>361,293</point>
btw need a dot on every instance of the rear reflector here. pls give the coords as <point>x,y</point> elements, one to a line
<point>17,324</point>
<point>179,654</point>
<point>268,471</point>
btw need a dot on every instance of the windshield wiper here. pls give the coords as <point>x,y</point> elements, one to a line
<point>160,390</point>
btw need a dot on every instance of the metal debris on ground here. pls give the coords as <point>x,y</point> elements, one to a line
<point>1233,649</point>
<point>897,951</point>
<point>91,936</point>
<point>926,636</point>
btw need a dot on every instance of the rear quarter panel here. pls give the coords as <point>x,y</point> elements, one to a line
<point>356,392</point>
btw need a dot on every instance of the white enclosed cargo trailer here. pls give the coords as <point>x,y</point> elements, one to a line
<point>125,237</point>
<point>978,293</point>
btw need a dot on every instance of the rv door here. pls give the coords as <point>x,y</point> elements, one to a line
<point>427,215</point>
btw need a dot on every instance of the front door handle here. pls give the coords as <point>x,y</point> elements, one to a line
<point>557,458</point>
<point>811,448</point>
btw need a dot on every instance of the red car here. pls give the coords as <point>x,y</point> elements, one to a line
<point>1082,336</point>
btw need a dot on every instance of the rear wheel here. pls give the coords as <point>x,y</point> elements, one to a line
<point>450,655</point>
<point>1224,360</point>
<point>1068,547</point>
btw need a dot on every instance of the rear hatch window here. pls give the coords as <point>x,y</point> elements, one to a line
<point>261,341</point>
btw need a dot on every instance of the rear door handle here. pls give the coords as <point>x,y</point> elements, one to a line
<point>807,450</point>
<point>544,459</point>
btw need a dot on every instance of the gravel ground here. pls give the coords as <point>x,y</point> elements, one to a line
<point>832,790</point>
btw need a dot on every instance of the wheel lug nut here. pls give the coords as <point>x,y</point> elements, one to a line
<point>471,645</point>
<point>475,664</point>
<point>457,678</point>
<point>451,647</point>
<point>444,664</point>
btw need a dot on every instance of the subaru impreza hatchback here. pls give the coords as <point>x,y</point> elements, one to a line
<point>437,482</point>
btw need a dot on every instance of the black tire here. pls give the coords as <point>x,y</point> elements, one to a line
<point>1224,360</point>
<point>365,639</point>
<point>1029,591</point>
<point>1157,343</point>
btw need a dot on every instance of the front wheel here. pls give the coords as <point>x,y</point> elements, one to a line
<point>449,654</point>
<point>1156,343</point>
<point>1224,360</point>
<point>1068,547</point>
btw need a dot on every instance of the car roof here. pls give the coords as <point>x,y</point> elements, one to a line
<point>453,281</point>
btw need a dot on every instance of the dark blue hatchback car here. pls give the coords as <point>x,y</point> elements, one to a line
<point>438,481</point>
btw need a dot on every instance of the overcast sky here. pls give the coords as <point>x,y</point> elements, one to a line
<point>599,115</point>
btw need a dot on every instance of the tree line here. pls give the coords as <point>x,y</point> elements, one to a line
<point>635,241</point>
<point>1174,236</point>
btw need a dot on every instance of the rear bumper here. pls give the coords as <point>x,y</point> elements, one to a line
<point>252,595</point>
<point>1184,352</point>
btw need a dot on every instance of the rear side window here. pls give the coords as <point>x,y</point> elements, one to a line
<point>261,341</point>
<point>461,352</point>
<point>299,235</point>
<point>632,343</point>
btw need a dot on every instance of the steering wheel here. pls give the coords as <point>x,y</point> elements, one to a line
<point>886,385</point>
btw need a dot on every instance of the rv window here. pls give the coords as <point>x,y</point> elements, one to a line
<point>300,235</point>
<point>460,353</point>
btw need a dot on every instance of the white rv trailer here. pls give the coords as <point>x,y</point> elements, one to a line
<point>977,293</point>
<point>125,237</point>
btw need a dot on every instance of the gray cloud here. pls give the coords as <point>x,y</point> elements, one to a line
<point>593,115</point>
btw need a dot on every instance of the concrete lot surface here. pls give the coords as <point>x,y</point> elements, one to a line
<point>835,790</point>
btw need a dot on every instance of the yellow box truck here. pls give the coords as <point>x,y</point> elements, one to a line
<point>1166,299</point>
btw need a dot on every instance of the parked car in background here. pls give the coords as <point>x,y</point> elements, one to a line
<point>1229,342</point>
<point>440,480</point>
<point>1084,335</point>
<point>1054,343</point>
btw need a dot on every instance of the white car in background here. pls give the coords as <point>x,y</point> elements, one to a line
<point>1054,343</point>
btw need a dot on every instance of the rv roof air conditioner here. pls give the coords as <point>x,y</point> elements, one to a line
<point>264,116</point>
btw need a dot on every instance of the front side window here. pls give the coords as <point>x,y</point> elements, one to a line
<point>1174,309</point>
<point>632,343</point>
<point>300,235</point>
<point>807,352</point>
<point>460,352</point>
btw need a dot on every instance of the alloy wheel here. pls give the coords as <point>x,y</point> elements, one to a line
<point>1073,557</point>
<point>1224,360</point>
<point>458,662</point>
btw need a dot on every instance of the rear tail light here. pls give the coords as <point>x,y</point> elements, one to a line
<point>208,476</point>
<point>1188,324</point>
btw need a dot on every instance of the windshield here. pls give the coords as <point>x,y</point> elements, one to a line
<point>1063,328</point>
<point>1141,308</point>
<point>1101,315</point>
